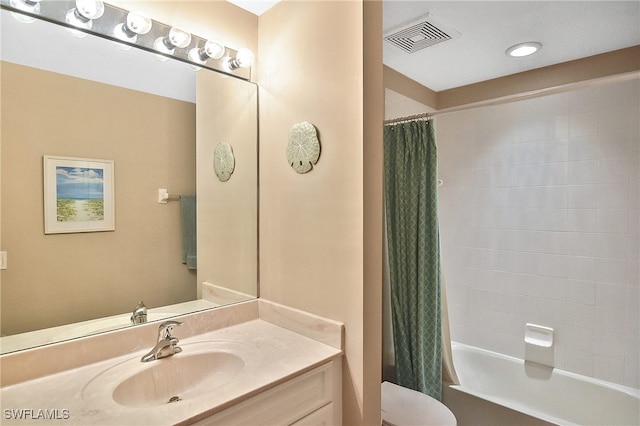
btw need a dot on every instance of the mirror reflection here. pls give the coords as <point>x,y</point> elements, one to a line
<point>159,122</point>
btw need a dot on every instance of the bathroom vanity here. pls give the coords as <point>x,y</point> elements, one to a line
<point>254,362</point>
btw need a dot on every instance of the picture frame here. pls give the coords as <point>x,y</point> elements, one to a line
<point>79,195</point>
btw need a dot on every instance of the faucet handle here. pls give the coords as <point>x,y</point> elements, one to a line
<point>165,329</point>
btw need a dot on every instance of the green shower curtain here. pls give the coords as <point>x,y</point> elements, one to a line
<point>411,180</point>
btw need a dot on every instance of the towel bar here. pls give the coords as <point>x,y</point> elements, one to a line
<point>164,196</point>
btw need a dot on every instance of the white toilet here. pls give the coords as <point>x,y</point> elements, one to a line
<point>406,407</point>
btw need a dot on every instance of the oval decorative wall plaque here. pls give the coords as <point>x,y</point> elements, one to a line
<point>303,149</point>
<point>223,161</point>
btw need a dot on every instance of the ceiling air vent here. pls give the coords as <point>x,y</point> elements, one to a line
<point>419,35</point>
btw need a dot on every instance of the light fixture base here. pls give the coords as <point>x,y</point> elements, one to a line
<point>521,50</point>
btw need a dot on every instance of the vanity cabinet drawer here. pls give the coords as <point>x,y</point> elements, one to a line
<point>287,403</point>
<point>321,417</point>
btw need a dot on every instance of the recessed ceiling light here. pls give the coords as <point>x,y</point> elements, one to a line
<point>524,49</point>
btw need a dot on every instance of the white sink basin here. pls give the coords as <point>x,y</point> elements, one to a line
<point>200,367</point>
<point>174,378</point>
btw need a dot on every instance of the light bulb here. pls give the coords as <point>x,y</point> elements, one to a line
<point>161,47</point>
<point>244,58</point>
<point>212,49</point>
<point>136,24</point>
<point>90,9</point>
<point>83,14</point>
<point>122,34</point>
<point>179,37</point>
<point>194,56</point>
<point>29,6</point>
<point>72,18</point>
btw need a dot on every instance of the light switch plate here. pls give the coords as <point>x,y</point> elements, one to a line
<point>3,260</point>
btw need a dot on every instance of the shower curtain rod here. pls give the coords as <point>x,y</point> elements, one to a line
<point>425,115</point>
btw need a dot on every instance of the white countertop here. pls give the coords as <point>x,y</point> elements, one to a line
<point>279,354</point>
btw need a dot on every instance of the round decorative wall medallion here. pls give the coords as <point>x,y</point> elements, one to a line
<point>223,161</point>
<point>303,149</point>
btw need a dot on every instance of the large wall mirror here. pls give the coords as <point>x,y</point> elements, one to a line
<point>159,123</point>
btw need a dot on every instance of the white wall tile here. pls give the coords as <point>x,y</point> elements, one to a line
<point>581,244</point>
<point>551,151</point>
<point>608,368</point>
<point>547,227</point>
<point>583,124</point>
<point>553,311</point>
<point>632,361</point>
<point>538,197</point>
<point>579,362</point>
<point>544,174</point>
<point>633,314</point>
<point>583,148</point>
<point>609,344</point>
<point>613,221</point>
<point>582,196</point>
<point>582,292</point>
<point>615,170</point>
<point>541,219</point>
<point>582,220</point>
<point>579,338</point>
<point>613,196</point>
<point>610,320</point>
<point>504,302</point>
<point>614,146</point>
<point>584,100</point>
<point>583,172</point>
<point>528,307</point>
<point>631,374</point>
<point>633,272</point>
<point>613,246</point>
<point>562,126</point>
<point>616,95</point>
<point>611,271</point>
<point>581,268</point>
<point>610,295</point>
<point>580,315</point>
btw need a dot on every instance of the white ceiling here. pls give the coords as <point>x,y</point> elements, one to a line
<point>257,7</point>
<point>568,30</point>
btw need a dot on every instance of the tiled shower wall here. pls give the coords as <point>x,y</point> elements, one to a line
<point>539,216</point>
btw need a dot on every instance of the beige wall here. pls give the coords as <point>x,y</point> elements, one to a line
<point>314,252</point>
<point>373,110</point>
<point>403,85</point>
<point>62,278</point>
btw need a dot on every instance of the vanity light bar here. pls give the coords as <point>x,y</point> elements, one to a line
<point>228,61</point>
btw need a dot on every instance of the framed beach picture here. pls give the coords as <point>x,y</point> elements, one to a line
<point>78,195</point>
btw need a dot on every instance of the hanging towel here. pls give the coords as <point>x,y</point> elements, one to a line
<point>188,225</point>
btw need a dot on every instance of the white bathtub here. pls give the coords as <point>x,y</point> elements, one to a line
<point>498,389</point>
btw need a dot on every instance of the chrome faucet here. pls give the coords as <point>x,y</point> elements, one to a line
<point>139,315</point>
<point>167,344</point>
